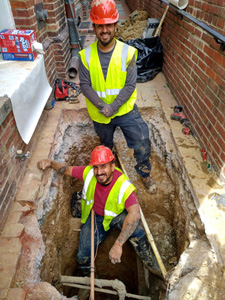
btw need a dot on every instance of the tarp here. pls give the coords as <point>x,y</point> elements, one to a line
<point>26,84</point>
<point>150,57</point>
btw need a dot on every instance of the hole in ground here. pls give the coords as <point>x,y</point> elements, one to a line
<point>166,217</point>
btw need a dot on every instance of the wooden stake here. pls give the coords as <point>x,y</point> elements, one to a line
<point>161,21</point>
<point>147,230</point>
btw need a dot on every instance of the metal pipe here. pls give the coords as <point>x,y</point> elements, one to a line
<point>116,284</point>
<point>92,256</point>
<point>219,38</point>
<point>86,287</point>
<point>75,25</point>
<point>75,40</point>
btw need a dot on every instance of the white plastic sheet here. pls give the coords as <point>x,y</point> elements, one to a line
<point>26,84</point>
<point>181,4</point>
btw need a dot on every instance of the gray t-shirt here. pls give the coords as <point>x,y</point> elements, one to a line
<point>125,93</point>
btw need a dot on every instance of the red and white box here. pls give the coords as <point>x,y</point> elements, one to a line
<point>17,44</point>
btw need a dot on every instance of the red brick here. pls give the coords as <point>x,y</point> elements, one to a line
<point>210,73</point>
<point>17,4</point>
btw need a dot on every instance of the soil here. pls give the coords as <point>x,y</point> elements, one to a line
<point>134,27</point>
<point>193,272</point>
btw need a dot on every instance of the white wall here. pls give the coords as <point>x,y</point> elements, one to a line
<point>6,16</point>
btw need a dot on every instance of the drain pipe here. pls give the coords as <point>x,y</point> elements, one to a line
<point>84,283</point>
<point>75,41</point>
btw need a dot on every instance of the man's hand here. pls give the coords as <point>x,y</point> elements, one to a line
<point>130,223</point>
<point>115,253</point>
<point>44,164</point>
<point>108,111</point>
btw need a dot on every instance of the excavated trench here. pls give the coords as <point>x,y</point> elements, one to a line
<point>170,213</point>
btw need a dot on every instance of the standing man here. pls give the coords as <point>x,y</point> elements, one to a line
<point>113,198</point>
<point>108,81</point>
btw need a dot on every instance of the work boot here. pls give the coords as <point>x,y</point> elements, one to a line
<point>149,184</point>
<point>144,251</point>
<point>83,294</point>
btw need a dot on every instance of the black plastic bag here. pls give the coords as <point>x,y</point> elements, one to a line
<point>150,57</point>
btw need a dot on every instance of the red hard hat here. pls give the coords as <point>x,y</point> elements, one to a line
<point>104,12</point>
<point>101,155</point>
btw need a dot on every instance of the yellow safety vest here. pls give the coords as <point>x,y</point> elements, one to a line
<point>115,203</point>
<point>108,89</point>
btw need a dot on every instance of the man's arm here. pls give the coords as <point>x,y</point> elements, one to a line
<point>108,110</point>
<point>86,88</point>
<point>58,167</point>
<point>129,225</point>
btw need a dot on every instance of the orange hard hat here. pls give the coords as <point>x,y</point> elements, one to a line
<point>101,155</point>
<point>104,12</point>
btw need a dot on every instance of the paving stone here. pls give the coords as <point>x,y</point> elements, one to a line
<point>16,294</point>
<point>3,293</point>
<point>10,245</point>
<point>28,192</point>
<point>13,217</point>
<point>23,207</point>
<point>8,260</point>
<point>13,231</point>
<point>6,277</point>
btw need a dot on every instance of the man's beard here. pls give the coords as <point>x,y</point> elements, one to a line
<point>106,43</point>
<point>107,179</point>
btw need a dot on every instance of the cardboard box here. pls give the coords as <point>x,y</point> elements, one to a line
<point>18,43</point>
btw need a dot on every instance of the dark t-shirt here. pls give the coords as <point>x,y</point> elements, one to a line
<point>102,191</point>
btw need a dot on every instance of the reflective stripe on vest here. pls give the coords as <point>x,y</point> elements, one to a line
<point>86,183</point>
<point>123,57</point>
<point>110,213</point>
<point>109,88</point>
<point>110,92</point>
<point>121,190</point>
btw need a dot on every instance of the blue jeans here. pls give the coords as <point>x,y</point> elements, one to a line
<point>136,133</point>
<point>84,251</point>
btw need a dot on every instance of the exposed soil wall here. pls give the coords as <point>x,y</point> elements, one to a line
<point>50,241</point>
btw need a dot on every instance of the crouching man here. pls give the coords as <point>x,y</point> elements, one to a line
<point>113,198</point>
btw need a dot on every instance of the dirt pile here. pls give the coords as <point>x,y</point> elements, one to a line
<point>134,27</point>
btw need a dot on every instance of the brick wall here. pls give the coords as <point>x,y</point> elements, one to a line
<point>194,66</point>
<point>12,169</point>
<point>55,39</point>
<point>54,35</point>
<point>135,4</point>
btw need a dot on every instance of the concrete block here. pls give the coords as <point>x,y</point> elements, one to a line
<point>16,294</point>
<point>13,231</point>
<point>3,293</point>
<point>10,245</point>
<point>5,108</point>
